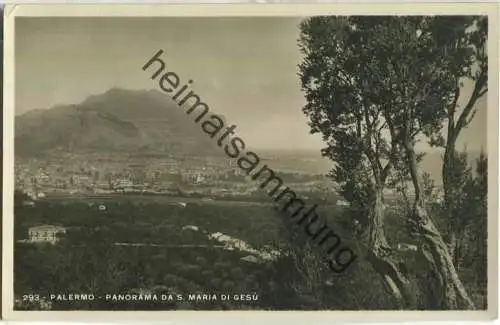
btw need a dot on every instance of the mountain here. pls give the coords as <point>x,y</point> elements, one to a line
<point>123,120</point>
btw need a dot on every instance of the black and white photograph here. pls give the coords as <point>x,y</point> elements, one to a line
<point>323,162</point>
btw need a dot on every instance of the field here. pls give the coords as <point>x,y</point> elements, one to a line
<point>173,260</point>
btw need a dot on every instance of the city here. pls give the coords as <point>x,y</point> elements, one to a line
<point>108,173</point>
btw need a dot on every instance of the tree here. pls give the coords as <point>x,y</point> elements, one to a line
<point>468,55</point>
<point>457,201</point>
<point>430,64</point>
<point>472,239</point>
<point>480,189</point>
<point>374,87</point>
<point>344,107</point>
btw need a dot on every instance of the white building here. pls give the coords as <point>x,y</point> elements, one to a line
<point>342,203</point>
<point>45,233</point>
<point>251,259</point>
<point>235,244</point>
<point>28,203</point>
<point>407,247</point>
<point>191,227</point>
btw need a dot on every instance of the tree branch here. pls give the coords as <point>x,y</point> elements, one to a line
<point>482,93</point>
<point>392,155</point>
<point>471,117</point>
<point>476,94</point>
<point>452,109</point>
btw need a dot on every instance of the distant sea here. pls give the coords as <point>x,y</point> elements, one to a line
<point>311,161</point>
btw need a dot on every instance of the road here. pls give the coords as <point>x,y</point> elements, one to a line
<point>154,198</point>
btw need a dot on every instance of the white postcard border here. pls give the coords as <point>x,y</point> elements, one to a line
<point>199,10</point>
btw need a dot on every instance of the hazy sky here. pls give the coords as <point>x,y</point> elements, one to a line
<point>243,68</point>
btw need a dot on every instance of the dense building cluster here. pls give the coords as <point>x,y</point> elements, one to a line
<point>95,173</point>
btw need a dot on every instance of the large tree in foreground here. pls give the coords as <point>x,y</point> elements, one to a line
<point>374,87</point>
<point>467,50</point>
<point>343,106</point>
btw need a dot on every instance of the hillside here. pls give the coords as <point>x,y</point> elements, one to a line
<point>116,120</point>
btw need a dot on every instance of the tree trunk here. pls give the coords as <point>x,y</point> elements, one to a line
<point>453,247</point>
<point>432,282</point>
<point>445,173</point>
<point>453,293</point>
<point>448,190</point>
<point>379,256</point>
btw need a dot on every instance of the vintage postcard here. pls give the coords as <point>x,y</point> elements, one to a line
<point>160,160</point>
